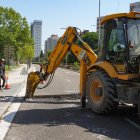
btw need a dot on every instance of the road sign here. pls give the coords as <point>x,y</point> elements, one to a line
<point>9,51</point>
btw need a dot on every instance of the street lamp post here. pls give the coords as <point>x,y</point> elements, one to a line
<point>99,32</point>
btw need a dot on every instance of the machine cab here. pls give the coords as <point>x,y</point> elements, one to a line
<point>120,41</point>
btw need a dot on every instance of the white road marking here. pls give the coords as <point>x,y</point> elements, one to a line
<point>68,80</point>
<point>67,72</point>
<point>69,91</point>
<point>8,117</point>
<point>132,123</point>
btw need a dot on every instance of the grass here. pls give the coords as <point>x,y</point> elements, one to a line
<point>10,67</point>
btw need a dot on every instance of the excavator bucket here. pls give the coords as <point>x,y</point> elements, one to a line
<point>32,81</point>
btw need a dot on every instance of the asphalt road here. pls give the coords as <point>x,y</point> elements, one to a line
<point>61,118</point>
<point>64,82</point>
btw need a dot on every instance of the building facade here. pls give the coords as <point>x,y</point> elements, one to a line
<point>36,31</point>
<point>135,6</point>
<point>97,25</point>
<point>51,42</point>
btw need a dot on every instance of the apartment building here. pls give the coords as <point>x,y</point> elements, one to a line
<point>36,31</point>
<point>51,42</point>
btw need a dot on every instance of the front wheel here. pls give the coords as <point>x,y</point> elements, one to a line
<point>101,93</point>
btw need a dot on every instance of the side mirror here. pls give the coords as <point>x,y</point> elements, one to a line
<point>131,44</point>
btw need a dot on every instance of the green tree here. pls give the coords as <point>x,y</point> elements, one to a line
<point>91,38</point>
<point>24,37</point>
<point>41,55</point>
<point>48,54</point>
<point>71,58</point>
<point>14,31</point>
<point>27,54</point>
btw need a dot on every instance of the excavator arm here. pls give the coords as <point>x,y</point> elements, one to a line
<point>67,42</point>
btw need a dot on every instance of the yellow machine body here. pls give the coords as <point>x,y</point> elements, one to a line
<point>96,72</point>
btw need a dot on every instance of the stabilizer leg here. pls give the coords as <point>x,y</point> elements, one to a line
<point>83,101</point>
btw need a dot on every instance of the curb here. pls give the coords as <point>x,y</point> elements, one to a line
<point>70,69</point>
<point>11,98</point>
<point>7,105</point>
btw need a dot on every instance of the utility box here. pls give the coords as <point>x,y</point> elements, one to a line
<point>135,6</point>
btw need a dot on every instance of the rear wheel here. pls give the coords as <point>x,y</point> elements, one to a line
<point>101,93</point>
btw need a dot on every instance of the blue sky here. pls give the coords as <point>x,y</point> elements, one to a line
<point>57,14</point>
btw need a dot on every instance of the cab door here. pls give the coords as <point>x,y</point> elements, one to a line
<point>114,46</point>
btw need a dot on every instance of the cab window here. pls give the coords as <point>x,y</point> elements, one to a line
<point>115,41</point>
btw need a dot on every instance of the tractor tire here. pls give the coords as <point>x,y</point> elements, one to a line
<point>101,93</point>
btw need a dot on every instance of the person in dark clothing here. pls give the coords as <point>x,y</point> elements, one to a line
<point>2,73</point>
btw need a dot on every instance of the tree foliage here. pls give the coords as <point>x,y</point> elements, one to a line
<point>91,38</point>
<point>41,54</point>
<point>27,54</point>
<point>14,31</point>
<point>48,54</point>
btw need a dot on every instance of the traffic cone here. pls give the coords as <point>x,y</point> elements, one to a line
<point>42,82</point>
<point>7,86</point>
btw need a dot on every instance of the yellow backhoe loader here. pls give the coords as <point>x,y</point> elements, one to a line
<point>108,78</point>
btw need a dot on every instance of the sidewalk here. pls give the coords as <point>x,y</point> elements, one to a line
<point>17,81</point>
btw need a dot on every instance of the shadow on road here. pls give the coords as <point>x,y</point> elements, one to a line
<point>112,126</point>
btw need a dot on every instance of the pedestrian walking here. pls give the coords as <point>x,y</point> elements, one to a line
<point>2,73</point>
